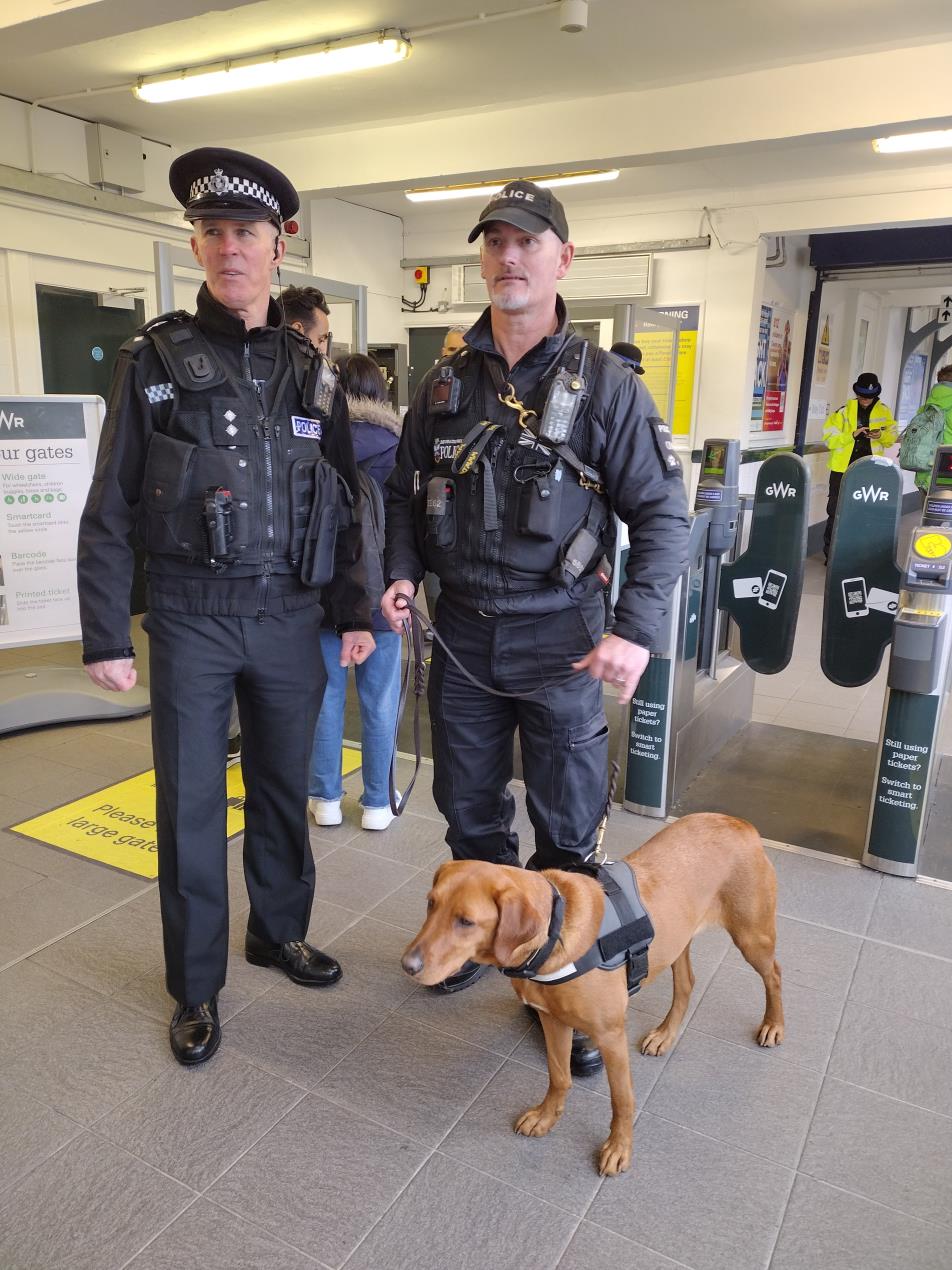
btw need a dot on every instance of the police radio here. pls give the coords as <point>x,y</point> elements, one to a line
<point>218,528</point>
<point>326,387</point>
<point>562,402</point>
<point>445,392</point>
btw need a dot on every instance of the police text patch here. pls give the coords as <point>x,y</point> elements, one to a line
<point>303,427</point>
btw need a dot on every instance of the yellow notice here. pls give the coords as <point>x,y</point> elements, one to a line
<point>932,546</point>
<point>116,826</point>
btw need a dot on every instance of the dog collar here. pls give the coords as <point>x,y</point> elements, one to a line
<point>541,955</point>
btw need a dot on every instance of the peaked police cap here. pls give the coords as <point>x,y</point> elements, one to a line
<point>212,183</point>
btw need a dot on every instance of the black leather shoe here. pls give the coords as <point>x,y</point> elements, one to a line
<point>586,1060</point>
<point>300,962</point>
<point>467,974</point>
<point>195,1033</point>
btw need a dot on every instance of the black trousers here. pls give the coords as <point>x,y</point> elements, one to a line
<point>832,499</point>
<point>563,733</point>
<point>197,664</point>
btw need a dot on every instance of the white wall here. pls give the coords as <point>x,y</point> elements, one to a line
<point>362,247</point>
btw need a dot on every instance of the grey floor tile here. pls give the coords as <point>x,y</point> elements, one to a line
<point>300,1033</point>
<point>108,885</point>
<point>595,1248</point>
<point>109,952</point>
<point>29,1132</point>
<point>369,953</point>
<point>750,1099</point>
<point>194,1124</point>
<point>89,1207</point>
<point>645,1071</point>
<point>482,1223</point>
<point>355,880</point>
<point>14,878</point>
<point>410,839</point>
<point>53,910</point>
<point>811,956</point>
<point>824,892</point>
<point>907,983</point>
<point>913,915</point>
<point>655,997</point>
<point>881,1149</point>
<point>216,1240</point>
<point>561,1168</point>
<point>320,1179</point>
<point>825,1228</point>
<point>488,1014</point>
<point>412,1079</point>
<point>406,906</point>
<point>695,1199</point>
<point>895,1055</point>
<point>327,922</point>
<point>733,1007</point>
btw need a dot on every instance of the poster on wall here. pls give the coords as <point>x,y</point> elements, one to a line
<point>822,371</point>
<point>657,355</point>
<point>47,451</point>
<point>772,368</point>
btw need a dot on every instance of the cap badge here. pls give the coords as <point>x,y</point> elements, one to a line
<point>219,182</point>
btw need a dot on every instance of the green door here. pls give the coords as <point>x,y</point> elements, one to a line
<point>79,340</point>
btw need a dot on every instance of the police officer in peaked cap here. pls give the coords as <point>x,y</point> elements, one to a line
<point>211,453</point>
<point>516,454</point>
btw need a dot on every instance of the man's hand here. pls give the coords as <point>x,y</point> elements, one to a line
<point>356,647</point>
<point>616,661</point>
<point>116,676</point>
<point>393,613</point>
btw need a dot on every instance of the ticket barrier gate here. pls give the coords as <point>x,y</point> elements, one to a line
<point>694,696</point>
<point>917,684</point>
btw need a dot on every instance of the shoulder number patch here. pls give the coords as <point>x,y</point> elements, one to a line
<point>664,444</point>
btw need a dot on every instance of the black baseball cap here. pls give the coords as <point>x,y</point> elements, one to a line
<point>216,184</point>
<point>527,206</point>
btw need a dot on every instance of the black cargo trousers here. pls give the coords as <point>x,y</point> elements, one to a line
<point>563,732</point>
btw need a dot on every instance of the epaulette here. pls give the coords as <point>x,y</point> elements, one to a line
<point>177,315</point>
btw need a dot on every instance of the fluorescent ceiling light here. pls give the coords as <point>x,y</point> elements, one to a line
<point>280,68</point>
<point>913,141</point>
<point>480,189</point>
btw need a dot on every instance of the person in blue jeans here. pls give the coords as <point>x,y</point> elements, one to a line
<point>375,429</point>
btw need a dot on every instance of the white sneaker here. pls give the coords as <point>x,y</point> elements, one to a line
<point>377,817</point>
<point>326,811</point>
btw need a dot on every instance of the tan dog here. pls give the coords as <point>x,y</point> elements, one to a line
<point>705,870</point>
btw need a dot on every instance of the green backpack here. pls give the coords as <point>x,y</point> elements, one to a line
<point>920,439</point>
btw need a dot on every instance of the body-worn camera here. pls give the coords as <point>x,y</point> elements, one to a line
<point>561,406</point>
<point>218,527</point>
<point>445,392</point>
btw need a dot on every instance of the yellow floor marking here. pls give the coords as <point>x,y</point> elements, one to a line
<point>116,825</point>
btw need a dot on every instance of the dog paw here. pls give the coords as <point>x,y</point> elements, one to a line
<point>656,1043</point>
<point>614,1158</point>
<point>769,1034</point>
<point>535,1123</point>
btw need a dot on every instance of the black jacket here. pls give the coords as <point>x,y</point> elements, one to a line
<point>142,406</point>
<point>626,441</point>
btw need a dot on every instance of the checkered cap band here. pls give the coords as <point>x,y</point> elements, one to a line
<point>159,392</point>
<point>218,183</point>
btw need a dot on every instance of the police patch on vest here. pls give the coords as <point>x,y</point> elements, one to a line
<point>302,427</point>
<point>445,451</point>
<point>670,462</point>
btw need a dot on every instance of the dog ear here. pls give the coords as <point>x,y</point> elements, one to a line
<point>518,922</point>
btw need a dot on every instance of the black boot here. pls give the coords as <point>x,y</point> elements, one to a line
<point>467,974</point>
<point>195,1033</point>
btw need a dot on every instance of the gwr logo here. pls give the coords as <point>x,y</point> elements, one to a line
<point>869,494</point>
<point>10,420</point>
<point>780,489</point>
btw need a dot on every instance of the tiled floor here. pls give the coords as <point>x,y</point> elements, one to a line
<point>370,1125</point>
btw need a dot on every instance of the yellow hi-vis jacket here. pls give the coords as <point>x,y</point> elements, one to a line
<point>839,427</point>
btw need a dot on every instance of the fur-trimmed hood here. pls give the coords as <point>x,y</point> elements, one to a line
<point>379,413</point>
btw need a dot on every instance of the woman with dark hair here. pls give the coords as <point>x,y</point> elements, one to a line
<point>375,429</point>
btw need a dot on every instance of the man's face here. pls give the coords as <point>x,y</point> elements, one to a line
<point>452,342</point>
<point>522,269</point>
<point>239,258</point>
<point>318,332</point>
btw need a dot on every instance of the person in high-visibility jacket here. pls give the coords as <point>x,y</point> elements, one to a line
<point>863,426</point>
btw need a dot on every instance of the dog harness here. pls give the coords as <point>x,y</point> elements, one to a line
<point>623,937</point>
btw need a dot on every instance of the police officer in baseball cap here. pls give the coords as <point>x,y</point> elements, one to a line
<point>212,452</point>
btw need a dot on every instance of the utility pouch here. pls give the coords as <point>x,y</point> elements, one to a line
<point>539,506</point>
<point>441,512</point>
<point>579,554</point>
<point>319,545</point>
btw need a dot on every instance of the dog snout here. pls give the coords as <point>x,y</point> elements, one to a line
<point>412,961</point>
